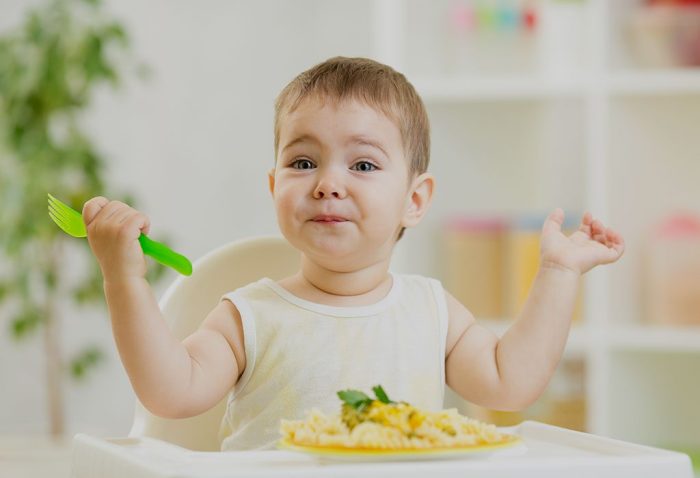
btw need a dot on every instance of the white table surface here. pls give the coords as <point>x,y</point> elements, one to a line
<point>549,452</point>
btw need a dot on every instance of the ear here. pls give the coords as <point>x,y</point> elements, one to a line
<point>421,195</point>
<point>271,180</point>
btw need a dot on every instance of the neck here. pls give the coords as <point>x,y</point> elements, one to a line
<point>352,283</point>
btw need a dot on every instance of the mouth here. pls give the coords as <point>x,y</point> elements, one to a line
<point>323,218</point>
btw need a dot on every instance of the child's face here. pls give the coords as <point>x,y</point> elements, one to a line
<point>341,183</point>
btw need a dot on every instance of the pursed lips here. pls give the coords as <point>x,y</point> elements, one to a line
<point>328,218</point>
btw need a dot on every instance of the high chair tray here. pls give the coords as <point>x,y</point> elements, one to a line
<point>546,451</point>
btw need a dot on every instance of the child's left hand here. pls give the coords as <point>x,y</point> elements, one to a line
<point>591,245</point>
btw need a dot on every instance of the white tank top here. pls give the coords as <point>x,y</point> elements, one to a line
<point>300,353</point>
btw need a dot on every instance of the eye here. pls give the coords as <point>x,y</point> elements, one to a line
<point>302,164</point>
<point>364,166</point>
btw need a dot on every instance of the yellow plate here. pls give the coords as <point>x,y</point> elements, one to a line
<point>370,454</point>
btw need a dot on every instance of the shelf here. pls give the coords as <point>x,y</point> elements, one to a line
<point>533,87</point>
<point>629,337</point>
<point>654,397</point>
<point>667,82</point>
<point>655,338</point>
<point>530,140</point>
<point>471,88</point>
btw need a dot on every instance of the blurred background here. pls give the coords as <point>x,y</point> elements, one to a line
<point>534,104</point>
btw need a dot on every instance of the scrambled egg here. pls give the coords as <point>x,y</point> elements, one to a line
<point>401,416</point>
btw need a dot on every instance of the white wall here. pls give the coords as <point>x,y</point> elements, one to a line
<point>193,144</point>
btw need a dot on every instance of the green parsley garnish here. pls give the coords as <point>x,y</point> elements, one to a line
<point>359,400</point>
<point>381,394</point>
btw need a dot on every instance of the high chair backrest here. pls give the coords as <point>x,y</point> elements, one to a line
<point>186,303</point>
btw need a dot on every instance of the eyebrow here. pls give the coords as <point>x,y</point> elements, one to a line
<point>366,141</point>
<point>355,139</point>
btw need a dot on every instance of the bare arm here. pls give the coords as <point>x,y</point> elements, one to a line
<point>171,378</point>
<point>174,379</point>
<point>511,373</point>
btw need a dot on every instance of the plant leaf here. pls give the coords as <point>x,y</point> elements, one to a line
<point>354,398</point>
<point>5,290</point>
<point>26,323</point>
<point>381,394</point>
<point>84,361</point>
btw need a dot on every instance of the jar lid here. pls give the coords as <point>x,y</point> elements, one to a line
<point>678,225</point>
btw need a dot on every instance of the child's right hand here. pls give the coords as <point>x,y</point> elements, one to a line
<point>113,229</point>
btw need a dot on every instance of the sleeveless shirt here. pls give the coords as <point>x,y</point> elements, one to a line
<point>299,354</point>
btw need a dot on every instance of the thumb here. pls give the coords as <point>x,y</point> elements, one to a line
<point>553,222</point>
<point>92,207</point>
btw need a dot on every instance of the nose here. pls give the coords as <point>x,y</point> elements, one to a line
<point>329,185</point>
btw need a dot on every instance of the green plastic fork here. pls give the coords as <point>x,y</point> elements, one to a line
<point>71,221</point>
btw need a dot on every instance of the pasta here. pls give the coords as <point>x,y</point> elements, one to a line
<point>383,425</point>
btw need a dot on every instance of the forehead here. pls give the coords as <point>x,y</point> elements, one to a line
<point>331,120</point>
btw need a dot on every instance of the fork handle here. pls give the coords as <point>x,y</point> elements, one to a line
<point>166,256</point>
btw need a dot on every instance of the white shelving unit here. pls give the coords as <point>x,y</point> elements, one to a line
<point>622,143</point>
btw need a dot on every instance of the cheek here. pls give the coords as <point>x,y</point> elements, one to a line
<point>285,203</point>
<point>282,206</point>
<point>385,208</point>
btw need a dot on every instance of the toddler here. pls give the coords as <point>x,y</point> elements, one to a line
<point>350,175</point>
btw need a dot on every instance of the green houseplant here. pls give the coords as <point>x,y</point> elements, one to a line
<point>50,67</point>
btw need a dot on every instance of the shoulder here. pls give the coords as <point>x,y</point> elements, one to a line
<point>416,288</point>
<point>249,290</point>
<point>459,318</point>
<point>234,312</point>
<point>412,284</point>
<point>225,319</point>
<point>251,296</point>
<point>419,288</point>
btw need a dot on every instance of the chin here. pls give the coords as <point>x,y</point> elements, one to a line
<point>330,252</point>
<point>332,247</point>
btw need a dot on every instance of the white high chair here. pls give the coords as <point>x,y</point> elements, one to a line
<point>186,303</point>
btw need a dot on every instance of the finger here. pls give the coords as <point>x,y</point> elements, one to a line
<point>609,237</point>
<point>615,247</point>
<point>614,253</point>
<point>614,235</point>
<point>602,236</point>
<point>146,223</point>
<point>617,239</point>
<point>553,222</point>
<point>610,256</point>
<point>105,220</point>
<point>135,225</point>
<point>113,210</point>
<point>92,207</point>
<point>121,216</point>
<point>586,220</point>
<point>597,227</point>
<point>619,246</point>
<point>598,232</point>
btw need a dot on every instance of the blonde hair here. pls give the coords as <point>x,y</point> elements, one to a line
<point>373,83</point>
